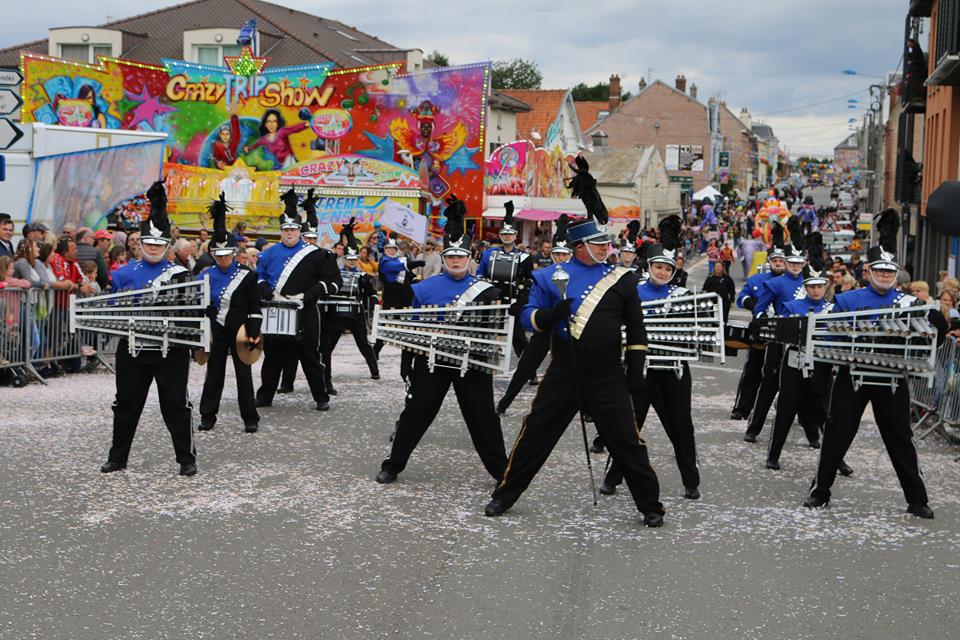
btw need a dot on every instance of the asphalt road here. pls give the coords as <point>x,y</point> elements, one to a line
<point>284,533</point>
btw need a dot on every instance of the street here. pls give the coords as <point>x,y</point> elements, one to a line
<point>284,533</point>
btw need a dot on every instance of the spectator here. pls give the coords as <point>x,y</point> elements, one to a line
<point>372,248</point>
<point>116,259</point>
<point>132,246</point>
<point>6,274</point>
<point>367,263</point>
<point>6,235</point>
<point>679,276</point>
<point>44,265</point>
<point>88,269</point>
<point>713,255</point>
<point>239,230</point>
<point>726,257</point>
<point>66,270</point>
<point>721,283</point>
<point>253,257</point>
<point>948,283</point>
<point>856,265</point>
<point>203,236</point>
<point>174,233</point>
<point>184,251</point>
<point>86,250</point>
<point>35,231</point>
<point>836,281</point>
<point>948,306</point>
<point>847,284</point>
<point>26,260</point>
<point>69,230</point>
<point>102,241</point>
<point>432,262</point>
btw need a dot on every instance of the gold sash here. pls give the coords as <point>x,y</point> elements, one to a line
<point>586,308</point>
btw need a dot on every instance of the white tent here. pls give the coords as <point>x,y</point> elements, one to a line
<point>707,192</point>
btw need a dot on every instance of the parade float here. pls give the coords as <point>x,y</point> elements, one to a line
<point>375,142</point>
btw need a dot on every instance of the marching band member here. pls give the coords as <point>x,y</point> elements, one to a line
<point>669,395</point>
<point>356,285</point>
<point>774,293</point>
<point>510,270</point>
<point>628,248</point>
<point>891,410</point>
<point>396,280</point>
<point>586,372</point>
<point>539,344</point>
<point>295,270</point>
<point>134,374</point>
<point>234,303</point>
<point>474,389</point>
<point>752,374</point>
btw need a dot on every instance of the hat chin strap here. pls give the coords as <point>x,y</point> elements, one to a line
<point>154,259</point>
<point>593,258</point>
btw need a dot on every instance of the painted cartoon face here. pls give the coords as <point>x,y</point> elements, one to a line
<point>271,123</point>
<point>224,136</point>
<point>426,128</point>
<point>75,112</point>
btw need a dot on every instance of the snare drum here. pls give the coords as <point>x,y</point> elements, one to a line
<point>503,268</point>
<point>280,318</point>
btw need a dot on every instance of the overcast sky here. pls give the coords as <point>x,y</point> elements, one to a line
<point>766,55</point>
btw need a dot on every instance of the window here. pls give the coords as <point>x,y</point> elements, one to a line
<point>231,49</point>
<point>102,50</point>
<point>75,52</point>
<point>209,55</point>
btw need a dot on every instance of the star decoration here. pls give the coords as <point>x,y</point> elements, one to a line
<point>461,161</point>
<point>245,64</point>
<point>148,107</point>
<point>383,148</point>
<point>124,105</point>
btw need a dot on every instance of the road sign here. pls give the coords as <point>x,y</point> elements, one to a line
<point>9,101</point>
<point>9,133</point>
<point>10,76</point>
<point>724,158</point>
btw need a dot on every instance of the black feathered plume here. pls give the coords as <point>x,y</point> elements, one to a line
<point>347,232</point>
<point>633,232</point>
<point>309,205</point>
<point>670,228</point>
<point>796,232</point>
<point>218,211</point>
<point>158,219</point>
<point>887,225</point>
<point>584,186</point>
<point>560,234</point>
<point>456,213</point>
<point>776,233</point>
<point>508,213</point>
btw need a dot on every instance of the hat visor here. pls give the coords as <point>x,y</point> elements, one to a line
<point>813,281</point>
<point>290,225</point>
<point>309,234</point>
<point>561,250</point>
<point>662,260</point>
<point>796,259</point>
<point>884,265</point>
<point>223,252</point>
<point>156,241</point>
<point>455,251</point>
<point>628,249</point>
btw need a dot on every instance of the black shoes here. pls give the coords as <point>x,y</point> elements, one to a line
<point>921,511</point>
<point>773,464</point>
<point>262,403</point>
<point>812,502</point>
<point>375,376</point>
<point>283,389</point>
<point>736,415</point>
<point>495,508</point>
<point>110,467</point>
<point>323,406</point>
<point>386,477</point>
<point>814,444</point>
<point>251,428</point>
<point>206,423</point>
<point>607,489</point>
<point>653,519</point>
<point>844,469</point>
<point>501,410</point>
<point>750,437</point>
<point>188,469</point>
<point>331,391</point>
<point>596,447</point>
<point>534,381</point>
<point>691,493</point>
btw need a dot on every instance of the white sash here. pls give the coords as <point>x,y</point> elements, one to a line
<point>228,294</point>
<point>290,266</point>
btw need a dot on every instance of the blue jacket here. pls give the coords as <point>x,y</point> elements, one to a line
<point>140,274</point>
<point>870,298</point>
<point>803,306</point>
<point>777,291</point>
<point>545,294</point>
<point>391,268</point>
<point>441,289</point>
<point>649,291</point>
<point>751,288</point>
<point>273,260</point>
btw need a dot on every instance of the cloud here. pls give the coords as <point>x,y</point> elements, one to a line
<point>767,56</point>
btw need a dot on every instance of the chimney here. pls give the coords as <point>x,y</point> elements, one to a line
<point>745,118</point>
<point>681,83</point>
<point>693,91</point>
<point>643,84</point>
<point>614,92</point>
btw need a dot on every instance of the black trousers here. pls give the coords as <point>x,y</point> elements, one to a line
<point>222,346</point>
<point>333,328</point>
<point>530,360</point>
<point>474,394</point>
<point>289,372</point>
<point>134,377</point>
<point>799,395</point>
<point>396,295</point>
<point>768,387</point>
<point>749,381</point>
<point>278,351</point>
<point>564,390</point>
<point>670,397</point>
<point>891,410</point>
<point>519,335</point>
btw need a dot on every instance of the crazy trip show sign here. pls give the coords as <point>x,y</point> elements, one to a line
<point>242,125</point>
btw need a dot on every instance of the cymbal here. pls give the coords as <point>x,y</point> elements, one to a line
<point>248,353</point>
<point>200,357</point>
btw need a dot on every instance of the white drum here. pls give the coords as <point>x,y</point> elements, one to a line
<point>280,318</point>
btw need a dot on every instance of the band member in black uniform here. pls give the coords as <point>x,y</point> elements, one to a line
<point>346,317</point>
<point>234,303</point>
<point>295,270</point>
<point>427,389</point>
<point>510,270</point>
<point>669,395</point>
<point>539,344</point>
<point>396,281</point>
<point>134,374</point>
<point>891,408</point>
<point>586,372</point>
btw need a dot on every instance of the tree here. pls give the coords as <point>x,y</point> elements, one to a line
<point>438,59</point>
<point>517,73</point>
<point>599,92</point>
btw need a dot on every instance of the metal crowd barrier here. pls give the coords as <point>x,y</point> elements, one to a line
<point>14,317</point>
<point>938,405</point>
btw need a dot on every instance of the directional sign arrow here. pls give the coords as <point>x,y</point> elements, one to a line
<point>9,133</point>
<point>9,101</point>
<point>10,76</point>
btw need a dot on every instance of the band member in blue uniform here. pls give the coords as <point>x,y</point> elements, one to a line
<point>474,389</point>
<point>539,345</point>
<point>134,374</point>
<point>774,293</point>
<point>295,270</point>
<point>669,395</point>
<point>234,303</point>
<point>339,318</point>
<point>510,270</point>
<point>752,374</point>
<point>396,281</point>
<point>586,371</point>
<point>891,410</point>
<point>628,248</point>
